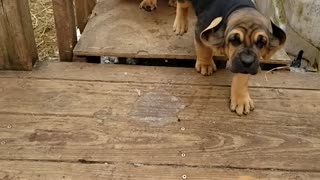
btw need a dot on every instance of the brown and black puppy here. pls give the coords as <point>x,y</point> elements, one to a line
<point>236,29</point>
<point>150,5</point>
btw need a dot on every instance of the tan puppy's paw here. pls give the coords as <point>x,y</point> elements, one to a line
<point>241,104</point>
<point>149,5</point>
<point>180,26</point>
<point>205,69</point>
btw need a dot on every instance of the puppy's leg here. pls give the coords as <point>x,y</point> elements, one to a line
<point>149,5</point>
<point>180,25</point>
<point>204,64</point>
<point>241,102</point>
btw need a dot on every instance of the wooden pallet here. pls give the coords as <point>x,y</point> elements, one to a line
<point>119,28</point>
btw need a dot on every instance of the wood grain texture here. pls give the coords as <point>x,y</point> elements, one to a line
<point>65,28</point>
<point>85,121</point>
<point>119,28</point>
<point>57,171</point>
<point>141,123</point>
<point>162,75</point>
<point>17,43</point>
<point>83,12</point>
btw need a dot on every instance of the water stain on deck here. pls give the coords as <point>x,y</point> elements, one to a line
<point>157,107</point>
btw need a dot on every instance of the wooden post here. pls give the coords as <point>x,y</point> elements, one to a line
<point>83,11</point>
<point>18,49</point>
<point>65,27</point>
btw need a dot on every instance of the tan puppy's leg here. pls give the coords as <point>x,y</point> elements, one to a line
<point>241,102</point>
<point>180,25</point>
<point>149,5</point>
<point>204,64</point>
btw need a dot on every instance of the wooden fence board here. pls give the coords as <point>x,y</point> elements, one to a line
<point>65,28</point>
<point>18,49</point>
<point>83,12</point>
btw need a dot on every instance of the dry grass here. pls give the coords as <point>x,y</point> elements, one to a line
<point>44,28</point>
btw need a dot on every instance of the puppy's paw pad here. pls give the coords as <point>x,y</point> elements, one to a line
<point>180,27</point>
<point>242,105</point>
<point>148,5</point>
<point>206,69</point>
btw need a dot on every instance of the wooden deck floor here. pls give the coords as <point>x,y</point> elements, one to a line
<point>85,121</point>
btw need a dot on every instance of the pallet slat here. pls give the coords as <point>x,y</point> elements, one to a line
<point>119,28</point>
<point>163,75</point>
<point>55,171</point>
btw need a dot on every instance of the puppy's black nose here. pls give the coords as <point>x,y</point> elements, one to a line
<point>148,8</point>
<point>247,59</point>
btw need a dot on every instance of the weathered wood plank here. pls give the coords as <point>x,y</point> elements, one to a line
<point>145,74</point>
<point>55,171</point>
<point>139,34</point>
<point>206,142</point>
<point>83,11</point>
<point>130,122</point>
<point>18,49</point>
<point>75,98</point>
<point>65,28</point>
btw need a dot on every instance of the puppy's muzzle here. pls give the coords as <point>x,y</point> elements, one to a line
<point>246,62</point>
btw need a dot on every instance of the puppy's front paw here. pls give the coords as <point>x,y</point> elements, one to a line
<point>205,69</point>
<point>180,26</point>
<point>241,104</point>
<point>149,5</point>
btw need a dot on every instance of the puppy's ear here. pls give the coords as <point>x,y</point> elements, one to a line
<point>277,40</point>
<point>212,37</point>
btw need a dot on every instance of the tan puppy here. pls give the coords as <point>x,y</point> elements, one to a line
<point>150,5</point>
<point>236,29</point>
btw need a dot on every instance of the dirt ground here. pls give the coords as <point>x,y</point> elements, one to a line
<point>44,29</point>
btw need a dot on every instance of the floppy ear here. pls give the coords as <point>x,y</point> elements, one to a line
<point>213,38</point>
<point>277,40</point>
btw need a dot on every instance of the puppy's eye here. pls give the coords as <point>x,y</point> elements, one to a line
<point>261,42</point>
<point>235,40</point>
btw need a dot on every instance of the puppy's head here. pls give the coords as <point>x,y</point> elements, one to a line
<point>247,37</point>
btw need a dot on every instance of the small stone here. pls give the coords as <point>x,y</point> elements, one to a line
<point>9,126</point>
<point>183,129</point>
<point>183,155</point>
<point>138,91</point>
